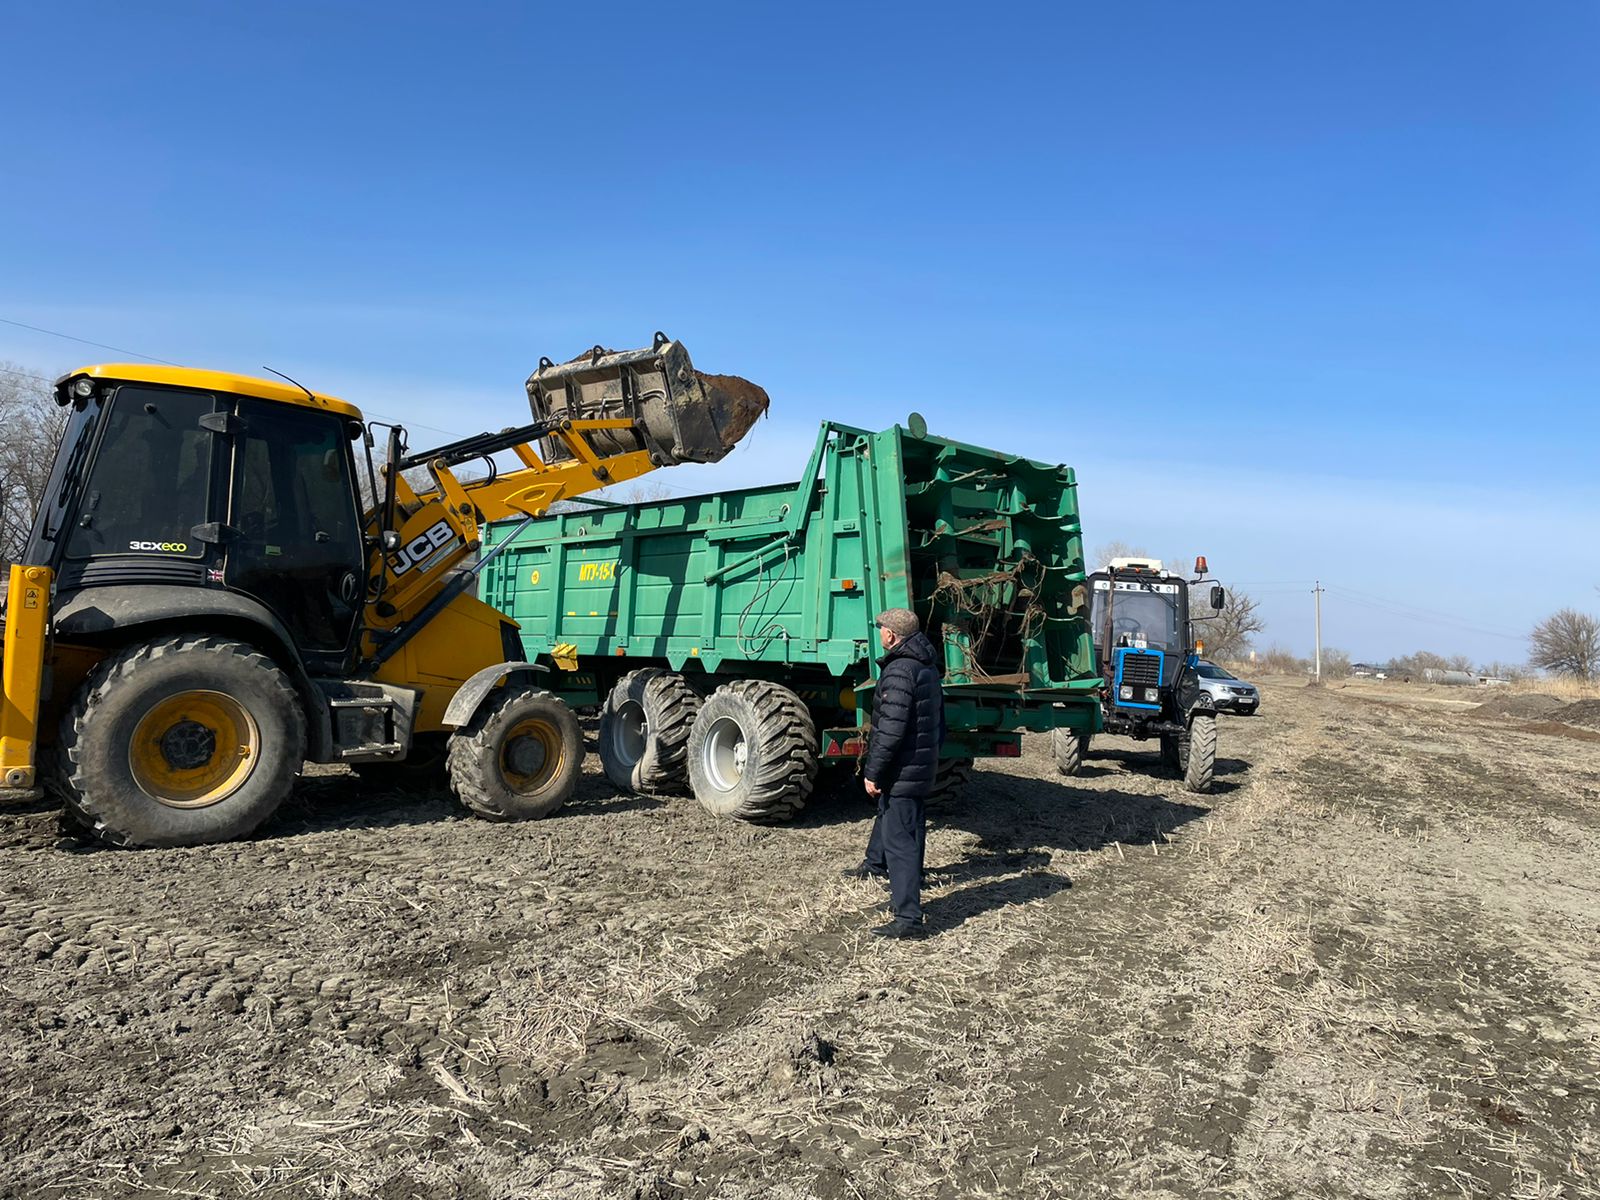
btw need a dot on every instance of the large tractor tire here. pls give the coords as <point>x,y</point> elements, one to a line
<point>952,780</point>
<point>644,731</point>
<point>519,758</point>
<point>1174,751</point>
<point>753,752</point>
<point>423,770</point>
<point>1200,758</point>
<point>1069,747</point>
<point>179,742</point>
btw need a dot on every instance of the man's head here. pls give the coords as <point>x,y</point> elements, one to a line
<point>895,625</point>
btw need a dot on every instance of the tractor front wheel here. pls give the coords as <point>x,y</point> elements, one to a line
<point>1069,747</point>
<point>1200,763</point>
<point>519,757</point>
<point>179,742</point>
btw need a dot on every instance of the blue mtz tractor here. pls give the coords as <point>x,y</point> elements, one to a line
<point>1146,650</point>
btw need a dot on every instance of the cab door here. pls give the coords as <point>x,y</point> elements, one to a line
<point>295,539</point>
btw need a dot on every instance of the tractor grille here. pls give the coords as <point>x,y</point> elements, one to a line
<point>1141,670</point>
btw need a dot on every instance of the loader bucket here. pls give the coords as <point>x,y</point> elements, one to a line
<point>680,415</point>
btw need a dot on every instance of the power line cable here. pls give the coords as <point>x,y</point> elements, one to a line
<point>1454,624</point>
<point>84,341</point>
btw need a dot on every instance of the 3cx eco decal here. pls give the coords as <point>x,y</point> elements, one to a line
<point>422,550</point>
<point>160,547</point>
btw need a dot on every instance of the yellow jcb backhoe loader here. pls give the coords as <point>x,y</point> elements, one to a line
<point>220,585</point>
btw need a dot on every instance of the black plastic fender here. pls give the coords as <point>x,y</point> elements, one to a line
<point>1191,698</point>
<point>474,691</point>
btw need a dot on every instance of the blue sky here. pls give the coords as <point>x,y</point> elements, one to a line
<point>1311,288</point>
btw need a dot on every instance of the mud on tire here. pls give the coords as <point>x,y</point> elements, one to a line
<point>753,752</point>
<point>519,758</point>
<point>644,731</point>
<point>179,742</point>
<point>1200,757</point>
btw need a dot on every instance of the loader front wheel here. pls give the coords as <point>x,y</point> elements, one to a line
<point>753,752</point>
<point>644,731</point>
<point>519,757</point>
<point>179,742</point>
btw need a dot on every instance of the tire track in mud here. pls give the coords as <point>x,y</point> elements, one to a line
<point>93,942</point>
<point>826,973</point>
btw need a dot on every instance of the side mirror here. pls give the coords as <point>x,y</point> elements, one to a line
<point>390,542</point>
<point>1218,598</point>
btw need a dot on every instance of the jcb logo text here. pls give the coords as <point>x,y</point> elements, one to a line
<point>415,552</point>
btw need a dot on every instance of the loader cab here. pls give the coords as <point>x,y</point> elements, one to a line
<point>184,479</point>
<point>1139,615</point>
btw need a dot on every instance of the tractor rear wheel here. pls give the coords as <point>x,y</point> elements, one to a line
<point>644,731</point>
<point>519,757</point>
<point>1069,746</point>
<point>753,752</point>
<point>179,742</point>
<point>1200,763</point>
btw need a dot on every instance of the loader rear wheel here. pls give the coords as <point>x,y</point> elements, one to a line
<point>753,752</point>
<point>644,731</point>
<point>519,757</point>
<point>179,742</point>
<point>1069,747</point>
<point>1200,763</point>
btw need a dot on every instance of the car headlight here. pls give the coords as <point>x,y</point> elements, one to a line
<point>1150,695</point>
<point>1126,693</point>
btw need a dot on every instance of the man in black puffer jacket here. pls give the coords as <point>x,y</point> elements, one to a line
<point>902,763</point>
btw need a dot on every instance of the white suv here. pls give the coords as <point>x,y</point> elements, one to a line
<point>1228,693</point>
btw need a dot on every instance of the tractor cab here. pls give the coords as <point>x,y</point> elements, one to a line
<point>1139,615</point>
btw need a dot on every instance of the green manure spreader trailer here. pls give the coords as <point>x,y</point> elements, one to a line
<point>729,639</point>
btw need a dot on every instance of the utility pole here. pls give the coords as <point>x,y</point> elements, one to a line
<point>1317,592</point>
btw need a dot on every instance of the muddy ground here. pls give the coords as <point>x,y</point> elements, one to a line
<point>1368,965</point>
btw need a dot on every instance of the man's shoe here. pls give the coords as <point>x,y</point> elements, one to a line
<point>864,872</point>
<point>899,929</point>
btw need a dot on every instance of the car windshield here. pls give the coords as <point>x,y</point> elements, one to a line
<point>1211,671</point>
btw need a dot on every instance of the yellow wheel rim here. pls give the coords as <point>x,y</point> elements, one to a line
<point>531,756</point>
<point>194,749</point>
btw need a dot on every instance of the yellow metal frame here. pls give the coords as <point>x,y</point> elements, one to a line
<point>27,634</point>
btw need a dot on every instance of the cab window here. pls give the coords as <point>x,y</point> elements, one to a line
<point>150,482</point>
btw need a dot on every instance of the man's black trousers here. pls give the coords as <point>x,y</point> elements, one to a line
<point>899,837</point>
